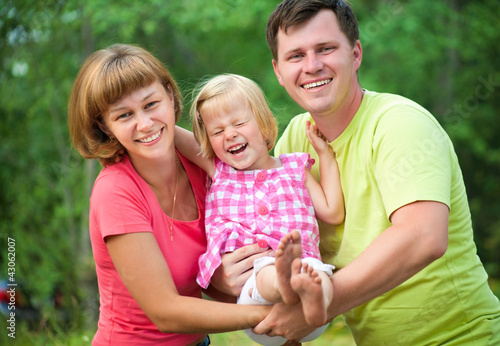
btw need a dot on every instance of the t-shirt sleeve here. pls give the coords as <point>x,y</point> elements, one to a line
<point>411,158</point>
<point>119,206</point>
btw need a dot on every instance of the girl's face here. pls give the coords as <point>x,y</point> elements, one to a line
<point>143,122</point>
<point>235,136</point>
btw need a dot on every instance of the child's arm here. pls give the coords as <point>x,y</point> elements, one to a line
<point>186,144</point>
<point>326,196</point>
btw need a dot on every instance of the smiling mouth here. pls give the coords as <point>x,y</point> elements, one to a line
<point>151,138</point>
<point>310,86</point>
<point>237,149</point>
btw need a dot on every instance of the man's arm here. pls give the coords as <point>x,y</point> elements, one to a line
<point>417,237</point>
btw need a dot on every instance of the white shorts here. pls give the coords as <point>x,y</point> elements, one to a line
<point>256,299</point>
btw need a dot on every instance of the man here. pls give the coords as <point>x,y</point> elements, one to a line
<point>408,270</point>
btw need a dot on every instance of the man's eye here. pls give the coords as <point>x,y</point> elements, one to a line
<point>327,50</point>
<point>295,57</point>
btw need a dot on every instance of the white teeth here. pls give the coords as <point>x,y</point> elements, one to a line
<point>317,84</point>
<point>236,148</point>
<point>150,139</point>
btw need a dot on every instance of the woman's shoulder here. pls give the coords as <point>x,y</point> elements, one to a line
<point>117,178</point>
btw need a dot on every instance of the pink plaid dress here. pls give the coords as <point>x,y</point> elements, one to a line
<point>246,207</point>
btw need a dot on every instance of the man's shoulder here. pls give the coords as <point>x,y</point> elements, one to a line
<point>299,119</point>
<point>293,138</point>
<point>384,101</point>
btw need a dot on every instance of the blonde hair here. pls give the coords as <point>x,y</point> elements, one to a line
<point>106,76</point>
<point>213,94</point>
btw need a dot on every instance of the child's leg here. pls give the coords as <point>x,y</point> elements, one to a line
<point>266,283</point>
<point>315,290</point>
<point>289,249</point>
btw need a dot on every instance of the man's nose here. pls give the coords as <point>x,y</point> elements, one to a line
<point>312,63</point>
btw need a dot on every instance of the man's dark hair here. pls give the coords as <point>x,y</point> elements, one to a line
<point>290,13</point>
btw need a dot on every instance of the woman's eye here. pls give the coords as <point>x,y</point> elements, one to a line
<point>151,104</point>
<point>123,116</point>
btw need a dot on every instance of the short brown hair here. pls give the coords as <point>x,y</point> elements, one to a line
<point>291,13</point>
<point>211,96</point>
<point>106,76</point>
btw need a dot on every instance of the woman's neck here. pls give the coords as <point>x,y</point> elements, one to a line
<point>158,173</point>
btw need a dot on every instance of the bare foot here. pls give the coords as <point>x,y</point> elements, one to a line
<point>307,284</point>
<point>289,248</point>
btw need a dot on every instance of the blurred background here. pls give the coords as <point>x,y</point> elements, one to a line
<point>443,54</point>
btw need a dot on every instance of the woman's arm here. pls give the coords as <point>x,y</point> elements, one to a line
<point>186,144</point>
<point>147,277</point>
<point>327,197</point>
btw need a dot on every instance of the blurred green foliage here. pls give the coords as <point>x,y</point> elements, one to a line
<point>442,54</point>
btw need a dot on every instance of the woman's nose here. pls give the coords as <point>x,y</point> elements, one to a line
<point>144,122</point>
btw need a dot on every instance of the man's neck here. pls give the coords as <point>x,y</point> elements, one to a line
<point>332,125</point>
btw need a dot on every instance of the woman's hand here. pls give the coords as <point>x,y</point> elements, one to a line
<point>285,320</point>
<point>236,268</point>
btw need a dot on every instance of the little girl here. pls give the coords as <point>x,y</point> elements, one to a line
<point>255,197</point>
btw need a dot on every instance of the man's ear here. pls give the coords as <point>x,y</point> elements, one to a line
<point>277,72</point>
<point>357,54</point>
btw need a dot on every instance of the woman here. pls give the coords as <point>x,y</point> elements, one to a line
<point>146,211</point>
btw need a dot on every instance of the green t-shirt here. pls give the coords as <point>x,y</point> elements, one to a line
<point>394,153</point>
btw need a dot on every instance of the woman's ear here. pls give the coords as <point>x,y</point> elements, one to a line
<point>105,129</point>
<point>170,92</point>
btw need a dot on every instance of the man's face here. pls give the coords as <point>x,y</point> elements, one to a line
<point>317,65</point>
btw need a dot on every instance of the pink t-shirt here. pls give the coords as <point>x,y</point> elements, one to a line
<point>246,207</point>
<point>122,202</point>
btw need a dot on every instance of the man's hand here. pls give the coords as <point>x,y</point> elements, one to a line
<point>285,320</point>
<point>236,268</point>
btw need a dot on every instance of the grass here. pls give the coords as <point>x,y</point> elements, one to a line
<point>337,333</point>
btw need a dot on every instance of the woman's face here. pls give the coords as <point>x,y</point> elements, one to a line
<point>143,122</point>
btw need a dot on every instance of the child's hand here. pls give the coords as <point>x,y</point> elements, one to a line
<point>318,141</point>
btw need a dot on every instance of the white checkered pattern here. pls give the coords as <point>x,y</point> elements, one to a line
<point>243,207</point>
